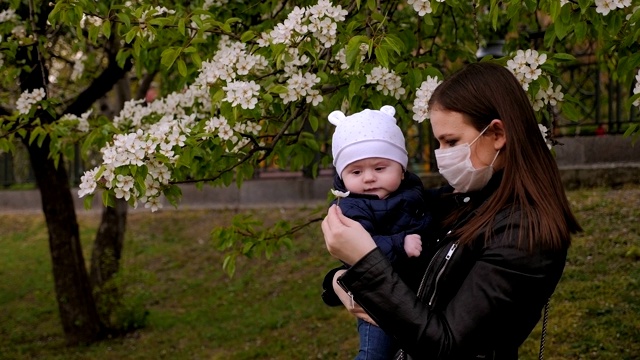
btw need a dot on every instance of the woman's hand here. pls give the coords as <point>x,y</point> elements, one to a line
<point>348,302</point>
<point>345,238</point>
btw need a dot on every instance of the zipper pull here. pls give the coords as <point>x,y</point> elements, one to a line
<point>450,253</point>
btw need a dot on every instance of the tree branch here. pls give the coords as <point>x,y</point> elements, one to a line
<point>99,87</point>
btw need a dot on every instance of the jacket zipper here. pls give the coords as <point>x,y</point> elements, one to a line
<point>453,248</point>
<point>423,282</point>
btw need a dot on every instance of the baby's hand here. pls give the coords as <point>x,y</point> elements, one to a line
<point>412,245</point>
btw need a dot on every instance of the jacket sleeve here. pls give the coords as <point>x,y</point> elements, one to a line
<point>497,303</point>
<point>391,245</point>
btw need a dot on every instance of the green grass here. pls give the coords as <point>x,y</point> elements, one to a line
<point>271,309</point>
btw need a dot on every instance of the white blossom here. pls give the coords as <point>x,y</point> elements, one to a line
<point>386,81</point>
<point>28,99</point>
<point>88,182</point>
<point>636,89</point>
<point>8,15</point>
<point>340,194</point>
<point>605,6</point>
<point>422,7</point>
<point>545,133</point>
<point>423,94</point>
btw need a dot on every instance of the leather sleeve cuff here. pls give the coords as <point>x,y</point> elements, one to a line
<point>328,294</point>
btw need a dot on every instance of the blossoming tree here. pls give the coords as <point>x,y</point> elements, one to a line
<point>245,83</point>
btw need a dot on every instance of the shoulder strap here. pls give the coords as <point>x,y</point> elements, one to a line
<point>543,335</point>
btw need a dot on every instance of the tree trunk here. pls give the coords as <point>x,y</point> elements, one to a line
<point>78,312</point>
<point>107,248</point>
<point>105,258</point>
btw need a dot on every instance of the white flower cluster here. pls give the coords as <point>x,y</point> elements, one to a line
<point>387,81</point>
<point>547,95</point>
<point>422,7</point>
<point>318,22</point>
<point>636,89</point>
<point>525,65</point>
<point>78,66</point>
<point>243,93</point>
<point>545,135</point>
<point>8,15</point>
<point>217,3</point>
<point>423,94</point>
<point>225,132</point>
<point>231,60</point>
<point>299,86</point>
<point>139,149</point>
<point>83,120</point>
<point>163,125</point>
<point>28,99</point>
<point>604,7</point>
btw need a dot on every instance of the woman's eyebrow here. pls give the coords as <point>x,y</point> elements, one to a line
<point>442,136</point>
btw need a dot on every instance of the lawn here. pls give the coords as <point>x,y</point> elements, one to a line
<point>271,309</point>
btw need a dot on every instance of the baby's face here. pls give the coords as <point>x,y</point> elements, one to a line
<point>373,176</point>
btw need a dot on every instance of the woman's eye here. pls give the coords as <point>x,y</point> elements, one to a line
<point>451,142</point>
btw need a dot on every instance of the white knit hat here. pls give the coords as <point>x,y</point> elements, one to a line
<point>369,133</point>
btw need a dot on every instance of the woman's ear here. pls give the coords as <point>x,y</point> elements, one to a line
<point>498,134</point>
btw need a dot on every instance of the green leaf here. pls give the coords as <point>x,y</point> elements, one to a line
<point>353,50</point>
<point>564,57</point>
<point>124,18</point>
<point>631,100</point>
<point>355,85</point>
<point>108,199</point>
<point>584,6</point>
<point>131,34</point>
<point>382,56</point>
<point>313,122</point>
<point>181,26</point>
<point>580,29</point>
<point>106,28</point>
<point>561,28</point>
<point>93,33</point>
<point>247,35</point>
<point>88,201</point>
<point>182,68</point>
<point>554,9</point>
<point>195,57</point>
<point>279,89</point>
<point>169,56</point>
<point>372,5</point>
<point>394,43</point>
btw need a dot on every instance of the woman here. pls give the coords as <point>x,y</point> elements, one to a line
<point>506,230</point>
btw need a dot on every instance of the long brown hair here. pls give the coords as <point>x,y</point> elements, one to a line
<point>531,181</point>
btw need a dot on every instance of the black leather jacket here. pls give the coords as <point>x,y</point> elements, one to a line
<point>475,302</point>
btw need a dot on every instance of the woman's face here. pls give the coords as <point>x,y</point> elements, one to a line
<point>452,128</point>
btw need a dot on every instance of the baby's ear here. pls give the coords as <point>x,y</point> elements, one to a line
<point>336,117</point>
<point>388,109</point>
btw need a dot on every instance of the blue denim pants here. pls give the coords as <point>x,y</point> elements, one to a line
<point>375,344</point>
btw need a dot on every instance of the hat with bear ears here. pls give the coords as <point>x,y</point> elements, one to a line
<point>369,133</point>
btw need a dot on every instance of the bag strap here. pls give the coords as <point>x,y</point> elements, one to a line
<point>543,335</point>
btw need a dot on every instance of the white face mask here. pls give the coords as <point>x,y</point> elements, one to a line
<point>455,166</point>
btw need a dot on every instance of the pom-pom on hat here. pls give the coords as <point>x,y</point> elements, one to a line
<point>369,133</point>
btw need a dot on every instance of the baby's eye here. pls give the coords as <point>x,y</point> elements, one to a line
<point>356,172</point>
<point>380,168</point>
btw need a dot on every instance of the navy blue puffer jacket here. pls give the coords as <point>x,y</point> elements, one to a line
<point>388,221</point>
